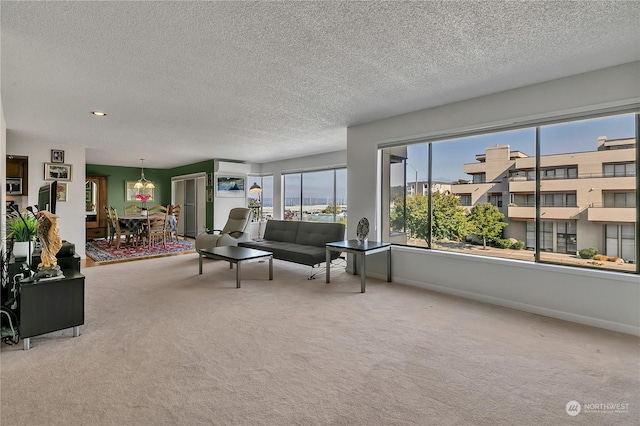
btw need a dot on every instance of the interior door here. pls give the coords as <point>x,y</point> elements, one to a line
<point>190,192</point>
<point>190,208</point>
<point>178,198</point>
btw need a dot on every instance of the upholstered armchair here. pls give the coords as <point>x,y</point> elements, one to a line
<point>232,233</point>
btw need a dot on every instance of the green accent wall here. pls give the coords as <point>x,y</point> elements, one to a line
<point>116,177</point>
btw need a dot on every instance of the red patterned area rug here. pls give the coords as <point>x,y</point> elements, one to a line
<point>101,251</point>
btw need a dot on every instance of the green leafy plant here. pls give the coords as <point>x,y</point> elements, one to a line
<point>331,209</point>
<point>487,222</point>
<point>22,229</point>
<point>518,245</point>
<point>587,253</point>
<point>449,218</point>
<point>503,243</point>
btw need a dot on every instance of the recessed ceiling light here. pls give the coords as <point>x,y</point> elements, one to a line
<point>98,113</point>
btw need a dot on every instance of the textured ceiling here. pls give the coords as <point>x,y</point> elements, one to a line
<point>262,81</point>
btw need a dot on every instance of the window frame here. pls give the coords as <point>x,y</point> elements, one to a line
<point>334,184</point>
<point>464,198</point>
<point>252,178</point>
<point>570,171</point>
<point>620,169</point>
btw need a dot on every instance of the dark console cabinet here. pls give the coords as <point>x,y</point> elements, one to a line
<point>47,306</point>
<point>67,257</point>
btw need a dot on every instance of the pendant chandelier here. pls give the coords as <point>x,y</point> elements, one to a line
<point>143,183</point>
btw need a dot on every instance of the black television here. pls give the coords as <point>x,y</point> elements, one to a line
<point>47,196</point>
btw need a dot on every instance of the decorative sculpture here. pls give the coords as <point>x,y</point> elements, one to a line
<point>47,231</point>
<point>362,230</point>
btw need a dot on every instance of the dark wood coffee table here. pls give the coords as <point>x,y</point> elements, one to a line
<point>236,255</point>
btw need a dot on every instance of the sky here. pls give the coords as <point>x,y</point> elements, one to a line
<point>318,186</point>
<point>449,157</point>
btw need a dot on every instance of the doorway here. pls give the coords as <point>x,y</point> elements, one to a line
<point>190,192</point>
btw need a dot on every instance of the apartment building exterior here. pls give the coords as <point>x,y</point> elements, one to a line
<point>587,199</point>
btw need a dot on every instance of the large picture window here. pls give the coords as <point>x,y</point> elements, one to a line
<point>571,188</point>
<point>318,196</point>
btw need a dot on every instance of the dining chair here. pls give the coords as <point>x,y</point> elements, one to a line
<point>111,228</point>
<point>132,210</point>
<point>120,231</point>
<point>158,209</point>
<point>172,224</point>
<point>156,229</point>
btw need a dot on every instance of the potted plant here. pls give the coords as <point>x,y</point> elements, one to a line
<point>22,228</point>
<point>143,202</point>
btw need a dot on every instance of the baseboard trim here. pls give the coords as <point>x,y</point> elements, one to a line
<point>539,310</point>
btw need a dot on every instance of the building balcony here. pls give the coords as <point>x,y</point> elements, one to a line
<point>471,168</point>
<point>546,213</point>
<point>559,213</point>
<point>521,212</point>
<point>597,213</point>
<point>551,185</point>
<point>614,183</point>
<point>475,188</point>
<point>522,185</point>
<point>584,183</point>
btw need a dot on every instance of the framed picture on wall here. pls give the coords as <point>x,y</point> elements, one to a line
<point>57,156</point>
<point>130,192</point>
<point>230,186</point>
<point>61,191</point>
<point>55,171</point>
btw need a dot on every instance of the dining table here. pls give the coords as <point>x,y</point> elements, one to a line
<point>136,223</point>
<point>133,223</point>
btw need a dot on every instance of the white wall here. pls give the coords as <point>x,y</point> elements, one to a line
<point>604,299</point>
<point>71,222</point>
<point>222,205</point>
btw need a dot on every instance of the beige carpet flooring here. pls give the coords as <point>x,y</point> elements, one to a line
<point>162,345</point>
